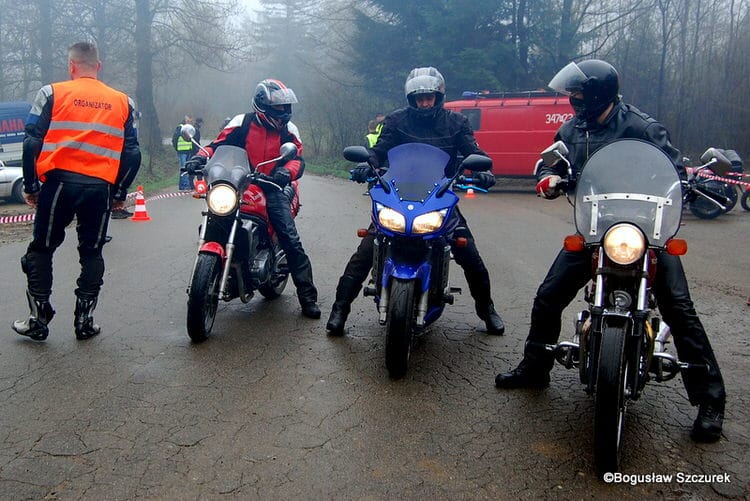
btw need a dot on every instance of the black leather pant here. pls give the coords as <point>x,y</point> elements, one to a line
<point>280,215</point>
<point>477,276</point>
<point>59,202</point>
<point>572,270</point>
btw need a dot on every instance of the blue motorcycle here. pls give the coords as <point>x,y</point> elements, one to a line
<point>414,213</point>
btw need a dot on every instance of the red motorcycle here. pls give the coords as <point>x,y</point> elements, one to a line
<point>238,251</point>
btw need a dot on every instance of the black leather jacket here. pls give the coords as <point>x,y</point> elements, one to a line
<point>624,121</point>
<point>447,130</point>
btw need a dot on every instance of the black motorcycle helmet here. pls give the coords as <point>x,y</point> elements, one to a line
<point>597,80</point>
<point>270,93</point>
<point>424,81</point>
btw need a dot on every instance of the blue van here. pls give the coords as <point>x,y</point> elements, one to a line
<point>13,117</point>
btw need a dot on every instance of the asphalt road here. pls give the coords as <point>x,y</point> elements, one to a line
<point>270,407</point>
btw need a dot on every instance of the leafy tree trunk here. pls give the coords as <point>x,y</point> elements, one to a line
<point>149,133</point>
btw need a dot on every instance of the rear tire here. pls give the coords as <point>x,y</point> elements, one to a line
<point>17,193</point>
<point>399,327</point>
<point>203,299</point>
<point>705,209</point>
<point>745,200</point>
<point>279,277</point>
<point>609,399</point>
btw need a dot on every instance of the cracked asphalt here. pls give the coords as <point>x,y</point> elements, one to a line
<point>270,407</point>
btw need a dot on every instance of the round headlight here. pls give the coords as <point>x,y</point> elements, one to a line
<point>428,223</point>
<point>222,199</point>
<point>624,244</point>
<point>392,220</point>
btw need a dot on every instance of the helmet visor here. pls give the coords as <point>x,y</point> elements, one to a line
<point>568,80</point>
<point>423,84</point>
<point>282,96</point>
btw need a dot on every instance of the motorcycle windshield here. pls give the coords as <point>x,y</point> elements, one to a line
<point>228,163</point>
<point>629,181</point>
<point>415,169</point>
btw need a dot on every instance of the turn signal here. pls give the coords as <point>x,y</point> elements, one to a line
<point>676,247</point>
<point>574,243</point>
<point>362,232</point>
<point>462,242</point>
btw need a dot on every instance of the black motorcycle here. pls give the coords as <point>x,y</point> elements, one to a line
<point>628,207</point>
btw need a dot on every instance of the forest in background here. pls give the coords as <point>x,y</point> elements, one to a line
<point>685,62</point>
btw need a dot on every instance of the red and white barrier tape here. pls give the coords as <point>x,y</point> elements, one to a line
<point>25,218</point>
<point>719,178</point>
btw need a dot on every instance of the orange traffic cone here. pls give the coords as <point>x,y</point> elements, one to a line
<point>470,193</point>
<point>140,213</point>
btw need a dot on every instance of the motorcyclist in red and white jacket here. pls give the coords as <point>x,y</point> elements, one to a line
<point>261,132</point>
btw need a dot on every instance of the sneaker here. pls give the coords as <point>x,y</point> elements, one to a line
<point>523,376</point>
<point>708,424</point>
<point>121,214</point>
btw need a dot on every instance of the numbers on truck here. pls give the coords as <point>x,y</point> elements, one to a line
<point>557,118</point>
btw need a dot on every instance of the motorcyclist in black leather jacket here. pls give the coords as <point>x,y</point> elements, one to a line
<point>423,121</point>
<point>601,117</point>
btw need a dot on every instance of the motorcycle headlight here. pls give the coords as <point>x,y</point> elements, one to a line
<point>428,223</point>
<point>624,244</point>
<point>222,199</point>
<point>392,220</point>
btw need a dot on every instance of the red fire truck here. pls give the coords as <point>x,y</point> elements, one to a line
<point>514,127</point>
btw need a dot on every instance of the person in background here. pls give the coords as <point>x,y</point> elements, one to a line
<point>601,118</point>
<point>261,132</point>
<point>372,133</point>
<point>81,144</point>
<point>184,151</point>
<point>424,120</point>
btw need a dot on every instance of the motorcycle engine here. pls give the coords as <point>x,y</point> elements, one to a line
<point>260,270</point>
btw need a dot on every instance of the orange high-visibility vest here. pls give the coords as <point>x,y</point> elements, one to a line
<point>86,130</point>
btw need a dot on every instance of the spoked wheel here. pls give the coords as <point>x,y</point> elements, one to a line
<point>745,200</point>
<point>203,299</point>
<point>399,327</point>
<point>279,277</point>
<point>609,400</point>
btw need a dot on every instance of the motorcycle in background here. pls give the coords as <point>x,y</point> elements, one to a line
<point>710,198</point>
<point>238,251</point>
<point>413,210</point>
<point>628,207</point>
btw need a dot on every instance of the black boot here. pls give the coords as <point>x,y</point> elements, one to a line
<point>526,375</point>
<point>707,426</point>
<point>346,292</point>
<point>492,320</point>
<point>40,315</point>
<point>310,309</point>
<point>84,319</point>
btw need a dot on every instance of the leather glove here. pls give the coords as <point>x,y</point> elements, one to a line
<point>196,163</point>
<point>281,176</point>
<point>547,187</point>
<point>361,173</point>
<point>483,179</point>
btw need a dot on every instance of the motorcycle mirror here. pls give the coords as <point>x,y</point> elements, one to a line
<point>477,163</point>
<point>187,132</point>
<point>288,151</point>
<point>554,153</point>
<point>356,154</point>
<point>716,161</point>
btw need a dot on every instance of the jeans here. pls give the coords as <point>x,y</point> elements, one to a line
<point>185,181</point>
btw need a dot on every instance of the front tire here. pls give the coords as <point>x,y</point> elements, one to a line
<point>609,400</point>
<point>203,299</point>
<point>399,327</point>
